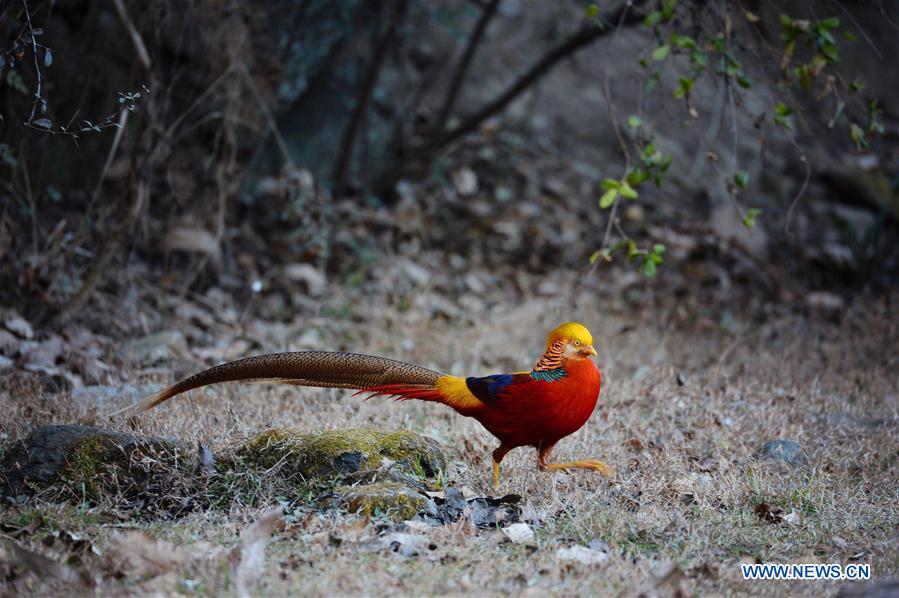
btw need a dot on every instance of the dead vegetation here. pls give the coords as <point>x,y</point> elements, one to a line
<point>685,412</point>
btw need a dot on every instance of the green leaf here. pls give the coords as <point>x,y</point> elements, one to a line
<point>649,268</point>
<point>637,176</point>
<point>836,114</point>
<point>829,23</point>
<point>608,198</point>
<point>659,249</point>
<point>634,121</point>
<point>857,134</point>
<point>700,59</point>
<point>849,36</point>
<point>627,191</point>
<point>750,216</point>
<point>782,113</point>
<point>661,53</point>
<point>632,250</point>
<point>682,41</point>
<point>684,85</point>
<point>741,178</point>
<point>653,18</point>
<point>592,11</point>
<point>751,17</point>
<point>594,257</point>
<point>609,184</point>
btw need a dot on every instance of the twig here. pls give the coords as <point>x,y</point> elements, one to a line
<point>365,93</point>
<point>123,120</point>
<point>269,116</point>
<point>136,40</point>
<point>218,80</point>
<point>105,254</point>
<point>38,99</point>
<point>808,175</point>
<point>462,66</point>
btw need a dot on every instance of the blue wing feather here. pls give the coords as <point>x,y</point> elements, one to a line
<point>489,388</point>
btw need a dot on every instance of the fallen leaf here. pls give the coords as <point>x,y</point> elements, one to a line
<point>191,239</point>
<point>137,554</point>
<point>14,531</point>
<point>766,512</point>
<point>793,518</point>
<point>708,464</point>
<point>205,460</point>
<point>42,566</point>
<point>253,541</point>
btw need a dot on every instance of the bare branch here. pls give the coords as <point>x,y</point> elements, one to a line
<point>365,93</point>
<point>585,36</point>
<point>136,40</point>
<point>462,66</point>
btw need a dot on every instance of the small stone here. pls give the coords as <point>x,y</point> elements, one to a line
<point>157,347</point>
<point>824,301</point>
<point>314,280</point>
<point>581,554</point>
<point>786,450</point>
<point>598,545</point>
<point>104,397</point>
<point>681,379</point>
<point>465,181</point>
<point>19,326</point>
<point>416,273</point>
<point>519,533</point>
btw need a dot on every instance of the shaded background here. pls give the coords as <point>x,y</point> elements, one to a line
<point>278,147</point>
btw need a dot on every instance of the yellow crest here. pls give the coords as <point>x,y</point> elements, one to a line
<point>570,331</point>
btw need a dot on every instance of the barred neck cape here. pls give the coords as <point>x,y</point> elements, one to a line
<point>549,367</point>
<point>552,359</point>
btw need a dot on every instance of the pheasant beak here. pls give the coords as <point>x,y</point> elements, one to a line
<point>588,351</point>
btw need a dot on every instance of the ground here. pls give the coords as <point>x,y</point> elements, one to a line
<point>690,395</point>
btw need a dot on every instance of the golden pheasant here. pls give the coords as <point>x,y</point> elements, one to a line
<point>535,408</point>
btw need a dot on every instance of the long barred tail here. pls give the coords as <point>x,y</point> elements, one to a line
<point>378,375</point>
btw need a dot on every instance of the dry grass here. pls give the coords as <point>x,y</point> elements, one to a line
<point>689,472</point>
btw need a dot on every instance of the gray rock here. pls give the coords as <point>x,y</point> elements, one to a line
<point>784,449</point>
<point>104,396</point>
<point>87,461</point>
<point>157,347</point>
<point>865,422</point>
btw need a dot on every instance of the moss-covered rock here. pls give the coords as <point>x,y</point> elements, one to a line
<point>333,453</point>
<point>395,500</point>
<point>87,463</point>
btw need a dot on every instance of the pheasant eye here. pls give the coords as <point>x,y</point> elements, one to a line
<point>577,343</point>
